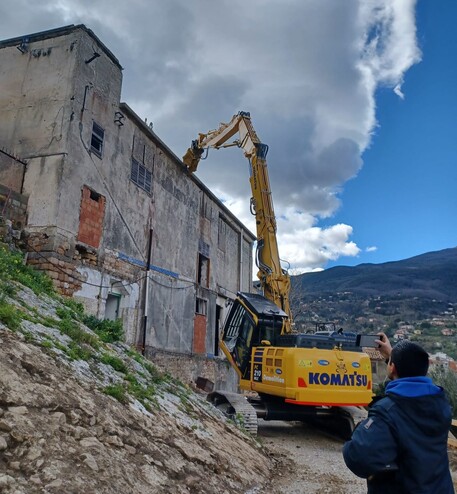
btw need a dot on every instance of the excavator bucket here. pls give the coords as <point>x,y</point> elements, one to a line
<point>191,160</point>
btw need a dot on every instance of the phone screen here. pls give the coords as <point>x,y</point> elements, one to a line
<point>368,340</point>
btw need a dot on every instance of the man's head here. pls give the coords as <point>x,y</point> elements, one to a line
<point>407,359</point>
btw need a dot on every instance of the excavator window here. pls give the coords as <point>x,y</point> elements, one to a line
<point>238,333</point>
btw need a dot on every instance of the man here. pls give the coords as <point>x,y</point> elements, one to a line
<point>401,447</point>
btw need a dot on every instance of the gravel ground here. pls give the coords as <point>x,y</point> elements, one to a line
<point>308,461</point>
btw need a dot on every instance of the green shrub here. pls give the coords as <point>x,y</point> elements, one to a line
<point>108,331</point>
<point>116,391</point>
<point>156,375</point>
<point>71,328</point>
<point>12,267</point>
<point>78,352</point>
<point>8,289</point>
<point>115,362</point>
<point>76,307</point>
<point>10,315</point>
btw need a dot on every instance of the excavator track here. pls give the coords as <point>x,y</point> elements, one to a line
<point>235,406</point>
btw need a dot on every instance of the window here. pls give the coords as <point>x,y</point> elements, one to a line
<point>96,142</point>
<point>140,175</point>
<point>201,306</point>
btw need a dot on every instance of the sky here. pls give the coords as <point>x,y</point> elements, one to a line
<point>356,99</point>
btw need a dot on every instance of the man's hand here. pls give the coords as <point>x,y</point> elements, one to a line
<point>385,348</point>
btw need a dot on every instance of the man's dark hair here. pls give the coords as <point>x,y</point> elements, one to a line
<point>410,359</point>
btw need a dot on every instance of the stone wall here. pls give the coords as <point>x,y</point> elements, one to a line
<point>188,368</point>
<point>13,206</point>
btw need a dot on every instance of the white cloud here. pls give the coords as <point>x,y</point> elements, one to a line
<point>371,249</point>
<point>307,71</point>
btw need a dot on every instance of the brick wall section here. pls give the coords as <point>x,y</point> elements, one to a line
<point>199,344</point>
<point>59,259</point>
<point>91,217</point>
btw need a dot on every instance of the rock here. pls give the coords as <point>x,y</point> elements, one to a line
<point>114,440</point>
<point>34,453</point>
<point>35,479</point>
<point>54,484</point>
<point>89,460</point>
<point>6,480</point>
<point>14,465</point>
<point>90,442</point>
<point>3,443</point>
<point>18,410</point>
<point>59,417</point>
<point>5,426</point>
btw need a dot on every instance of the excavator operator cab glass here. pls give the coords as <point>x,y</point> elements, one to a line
<point>238,332</point>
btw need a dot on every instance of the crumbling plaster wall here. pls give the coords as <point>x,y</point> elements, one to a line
<point>54,134</point>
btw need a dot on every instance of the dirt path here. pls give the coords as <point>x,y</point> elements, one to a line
<point>308,461</point>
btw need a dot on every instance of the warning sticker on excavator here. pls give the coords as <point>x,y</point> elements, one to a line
<point>305,363</point>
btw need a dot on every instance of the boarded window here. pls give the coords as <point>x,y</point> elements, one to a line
<point>91,216</point>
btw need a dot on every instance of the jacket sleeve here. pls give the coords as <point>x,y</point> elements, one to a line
<point>372,449</point>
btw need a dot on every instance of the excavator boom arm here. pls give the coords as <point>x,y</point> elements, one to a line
<point>274,280</point>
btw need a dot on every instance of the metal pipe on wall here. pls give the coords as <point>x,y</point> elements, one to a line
<point>146,293</point>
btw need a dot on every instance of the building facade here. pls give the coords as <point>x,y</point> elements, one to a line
<point>112,213</point>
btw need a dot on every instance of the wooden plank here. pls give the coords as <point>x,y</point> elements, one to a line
<point>454,422</point>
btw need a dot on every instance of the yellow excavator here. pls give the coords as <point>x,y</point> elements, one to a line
<point>286,375</point>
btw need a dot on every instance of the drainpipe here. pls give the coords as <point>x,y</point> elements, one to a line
<point>146,294</point>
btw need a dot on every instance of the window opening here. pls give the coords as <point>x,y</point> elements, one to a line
<point>94,195</point>
<point>203,270</point>
<point>96,142</point>
<point>201,306</point>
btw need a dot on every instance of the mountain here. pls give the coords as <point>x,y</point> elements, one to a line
<point>430,276</point>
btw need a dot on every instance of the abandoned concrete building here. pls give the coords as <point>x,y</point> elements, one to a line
<point>108,211</point>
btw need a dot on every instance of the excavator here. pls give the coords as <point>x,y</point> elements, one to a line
<point>284,374</point>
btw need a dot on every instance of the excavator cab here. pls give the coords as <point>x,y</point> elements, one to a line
<point>252,321</point>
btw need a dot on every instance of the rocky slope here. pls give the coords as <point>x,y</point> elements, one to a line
<point>79,415</point>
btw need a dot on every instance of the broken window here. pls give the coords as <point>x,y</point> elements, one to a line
<point>203,270</point>
<point>96,142</point>
<point>201,306</point>
<point>141,176</point>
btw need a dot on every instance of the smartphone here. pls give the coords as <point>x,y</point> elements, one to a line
<point>368,340</point>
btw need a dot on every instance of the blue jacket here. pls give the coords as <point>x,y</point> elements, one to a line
<point>401,447</point>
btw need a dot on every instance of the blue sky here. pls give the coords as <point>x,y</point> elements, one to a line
<point>356,99</point>
<point>404,199</point>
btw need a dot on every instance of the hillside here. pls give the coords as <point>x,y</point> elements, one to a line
<point>81,414</point>
<point>417,296</point>
<point>432,276</point>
